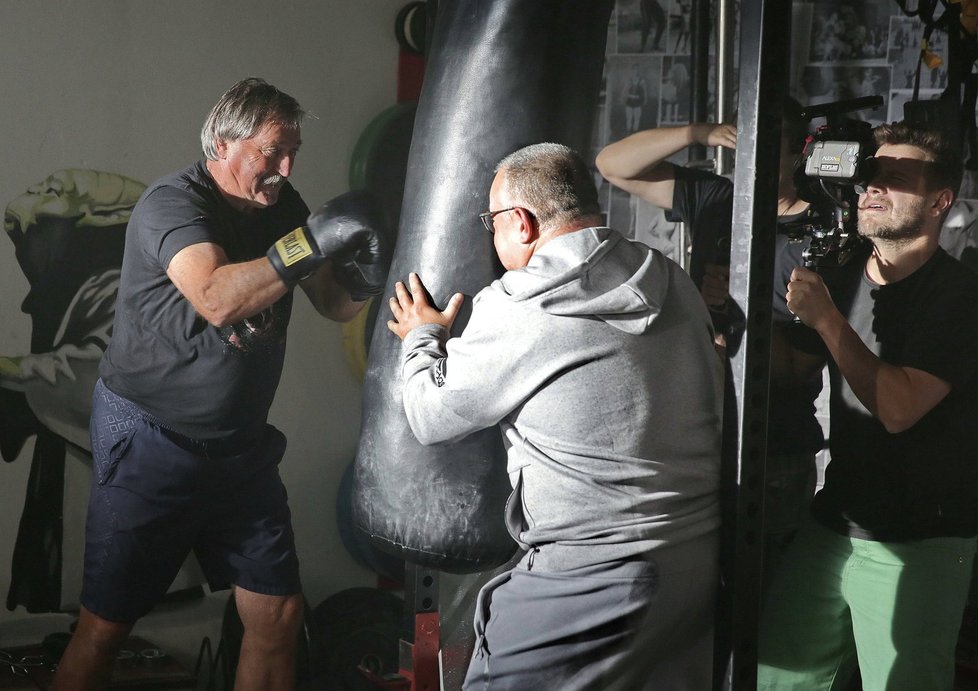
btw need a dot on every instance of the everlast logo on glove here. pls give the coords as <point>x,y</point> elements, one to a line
<point>295,256</point>
<point>293,247</point>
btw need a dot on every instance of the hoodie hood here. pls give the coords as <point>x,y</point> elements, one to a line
<point>594,272</point>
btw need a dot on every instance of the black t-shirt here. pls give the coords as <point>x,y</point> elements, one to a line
<point>922,482</point>
<point>704,201</point>
<point>199,380</point>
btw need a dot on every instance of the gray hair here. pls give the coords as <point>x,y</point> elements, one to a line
<point>552,181</point>
<point>244,109</point>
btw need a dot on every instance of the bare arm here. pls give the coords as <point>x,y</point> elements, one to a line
<point>637,165</point>
<point>897,396</point>
<point>224,293</point>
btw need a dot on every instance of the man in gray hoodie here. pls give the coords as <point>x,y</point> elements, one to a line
<point>594,355</point>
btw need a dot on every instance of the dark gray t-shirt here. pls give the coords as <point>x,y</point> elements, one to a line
<point>199,380</point>
<point>922,482</point>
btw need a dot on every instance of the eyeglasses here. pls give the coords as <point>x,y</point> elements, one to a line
<point>487,216</point>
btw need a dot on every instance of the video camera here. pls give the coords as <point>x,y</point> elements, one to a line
<point>836,163</point>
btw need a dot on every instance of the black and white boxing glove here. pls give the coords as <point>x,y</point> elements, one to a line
<point>350,232</point>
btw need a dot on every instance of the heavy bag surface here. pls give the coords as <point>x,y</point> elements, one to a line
<point>500,75</point>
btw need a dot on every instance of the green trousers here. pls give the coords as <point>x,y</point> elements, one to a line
<point>893,608</point>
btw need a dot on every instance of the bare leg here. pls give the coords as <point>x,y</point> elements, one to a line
<point>268,646</point>
<point>87,661</point>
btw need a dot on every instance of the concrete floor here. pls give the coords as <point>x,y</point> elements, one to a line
<point>176,628</point>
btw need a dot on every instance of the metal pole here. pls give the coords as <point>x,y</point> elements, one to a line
<point>725,88</point>
<point>764,54</point>
<point>699,61</point>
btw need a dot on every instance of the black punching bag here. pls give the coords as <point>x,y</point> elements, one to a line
<point>500,74</point>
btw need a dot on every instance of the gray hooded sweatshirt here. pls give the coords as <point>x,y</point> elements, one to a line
<point>597,362</point>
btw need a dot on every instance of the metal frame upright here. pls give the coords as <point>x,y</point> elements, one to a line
<point>763,78</point>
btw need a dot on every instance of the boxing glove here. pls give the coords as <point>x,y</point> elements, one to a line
<point>350,232</point>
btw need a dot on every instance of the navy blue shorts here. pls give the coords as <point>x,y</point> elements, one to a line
<point>157,495</point>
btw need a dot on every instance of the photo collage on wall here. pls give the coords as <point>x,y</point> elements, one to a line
<point>839,50</point>
<point>647,84</point>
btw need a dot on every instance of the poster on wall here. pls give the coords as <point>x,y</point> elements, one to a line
<point>633,85</point>
<point>67,234</point>
<point>850,32</point>
<point>652,26</point>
